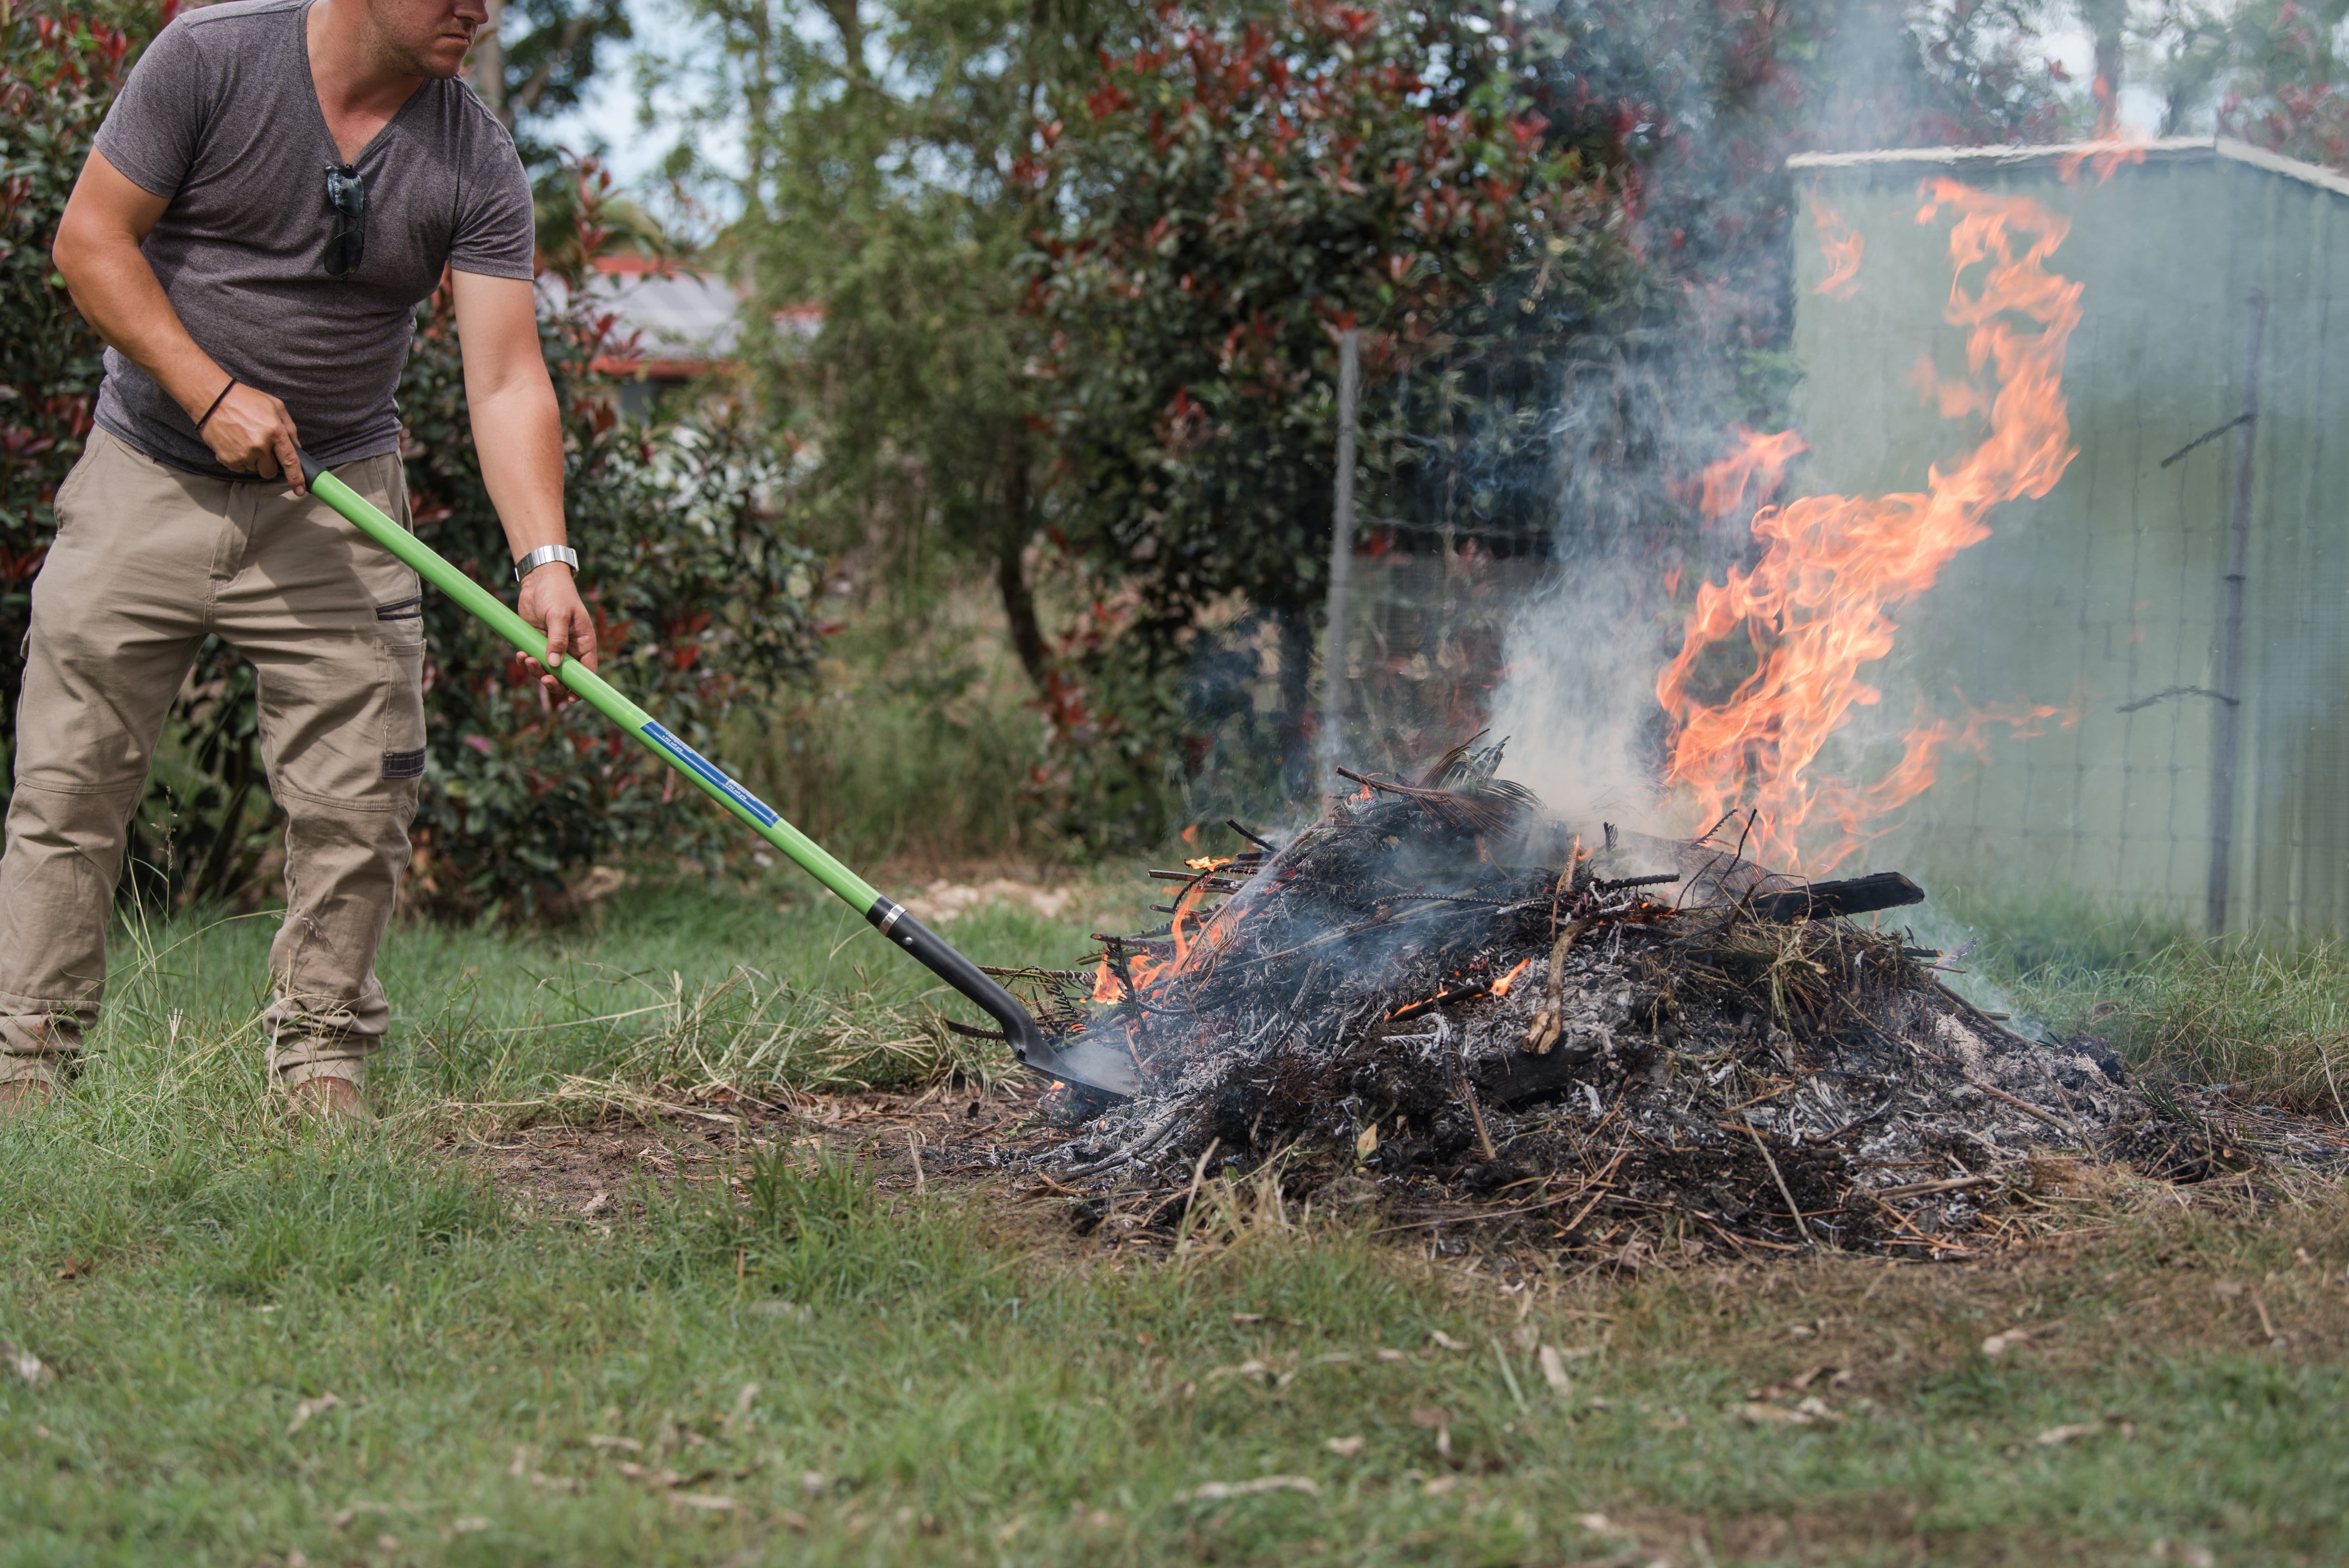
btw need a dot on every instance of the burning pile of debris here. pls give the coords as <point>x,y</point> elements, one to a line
<point>1440,990</point>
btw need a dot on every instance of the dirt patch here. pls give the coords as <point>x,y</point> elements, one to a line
<point>584,1169</point>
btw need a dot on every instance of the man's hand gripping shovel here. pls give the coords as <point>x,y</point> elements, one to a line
<point>1084,1066</point>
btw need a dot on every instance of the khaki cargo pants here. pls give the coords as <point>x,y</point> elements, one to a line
<point>148,559</point>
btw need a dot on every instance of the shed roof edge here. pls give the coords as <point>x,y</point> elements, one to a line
<point>2166,149</point>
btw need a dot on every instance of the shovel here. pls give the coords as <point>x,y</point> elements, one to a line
<point>1085,1066</point>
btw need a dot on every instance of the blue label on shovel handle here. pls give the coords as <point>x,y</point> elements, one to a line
<point>702,769</point>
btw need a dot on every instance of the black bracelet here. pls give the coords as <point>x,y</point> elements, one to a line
<point>218,401</point>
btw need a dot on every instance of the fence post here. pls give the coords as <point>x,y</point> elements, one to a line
<point>2230,667</point>
<point>1341,552</point>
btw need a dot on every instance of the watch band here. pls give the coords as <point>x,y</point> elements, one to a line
<point>542,555</point>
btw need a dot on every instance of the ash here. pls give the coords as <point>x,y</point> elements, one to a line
<point>1439,995</point>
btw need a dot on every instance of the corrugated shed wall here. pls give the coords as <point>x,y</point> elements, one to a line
<point>2107,599</point>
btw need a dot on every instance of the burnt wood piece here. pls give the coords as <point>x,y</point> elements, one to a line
<point>1514,1079</point>
<point>1855,896</point>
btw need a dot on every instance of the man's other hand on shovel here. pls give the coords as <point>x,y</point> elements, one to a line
<point>550,601</point>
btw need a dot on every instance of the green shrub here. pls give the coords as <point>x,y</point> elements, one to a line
<point>58,70</point>
<point>702,607</point>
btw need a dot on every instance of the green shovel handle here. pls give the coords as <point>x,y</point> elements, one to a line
<point>888,917</point>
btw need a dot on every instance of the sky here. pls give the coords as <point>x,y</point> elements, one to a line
<point>605,119</point>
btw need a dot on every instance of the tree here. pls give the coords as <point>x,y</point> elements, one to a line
<point>1242,188</point>
<point>883,195</point>
<point>544,65</point>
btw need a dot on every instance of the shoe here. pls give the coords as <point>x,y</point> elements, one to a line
<point>334,1101</point>
<point>24,1096</point>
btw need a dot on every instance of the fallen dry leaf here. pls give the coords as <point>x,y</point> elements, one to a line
<point>811,1484</point>
<point>470,1524</point>
<point>1553,1370</point>
<point>1367,1144</point>
<point>1388,1357</point>
<point>1525,1337</point>
<point>305,1408</point>
<point>27,1365</point>
<point>1811,1412</point>
<point>625,1445</point>
<point>1998,1345</point>
<point>1344,1447</point>
<point>1217,1491</point>
<point>75,1268</point>
<point>1249,1368</point>
<point>794,1521</point>
<point>705,1501</point>
<point>2053,1436</point>
<point>1242,1319</point>
<point>1441,1486</point>
<point>596,1204</point>
<point>1599,1524</point>
<point>1763,1415</point>
<point>1444,1340</point>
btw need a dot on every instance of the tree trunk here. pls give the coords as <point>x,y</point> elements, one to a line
<point>2105,18</point>
<point>1011,573</point>
<point>1297,762</point>
<point>489,73</point>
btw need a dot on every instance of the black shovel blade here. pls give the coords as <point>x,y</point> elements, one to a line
<point>1083,1065</point>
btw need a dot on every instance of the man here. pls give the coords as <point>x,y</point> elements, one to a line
<point>278,185</point>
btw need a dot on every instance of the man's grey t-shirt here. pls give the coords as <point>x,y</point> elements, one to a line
<point>221,116</point>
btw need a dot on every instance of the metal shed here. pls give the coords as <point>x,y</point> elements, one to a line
<point>2213,285</point>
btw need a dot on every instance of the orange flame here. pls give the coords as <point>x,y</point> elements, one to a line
<point>2110,147</point>
<point>1816,607</point>
<point>1759,461</point>
<point>1840,244</point>
<point>1501,986</point>
<point>1147,971</point>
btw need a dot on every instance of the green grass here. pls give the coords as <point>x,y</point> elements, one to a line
<point>960,1380</point>
<point>2266,1014</point>
<point>918,743</point>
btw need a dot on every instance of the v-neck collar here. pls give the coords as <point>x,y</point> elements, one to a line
<point>318,110</point>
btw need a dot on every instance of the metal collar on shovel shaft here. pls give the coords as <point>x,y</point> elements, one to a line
<point>1085,1066</point>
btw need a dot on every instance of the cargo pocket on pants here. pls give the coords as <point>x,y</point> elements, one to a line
<point>403,716</point>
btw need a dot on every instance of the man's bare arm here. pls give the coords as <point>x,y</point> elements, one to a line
<point>106,219</point>
<point>518,432</point>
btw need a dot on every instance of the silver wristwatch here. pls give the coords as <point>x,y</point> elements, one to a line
<point>542,555</point>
